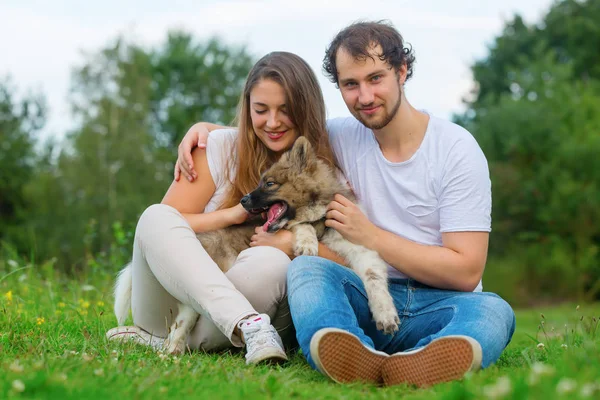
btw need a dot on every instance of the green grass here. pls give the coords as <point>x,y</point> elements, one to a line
<point>52,346</point>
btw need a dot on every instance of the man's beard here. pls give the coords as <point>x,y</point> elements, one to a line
<point>386,118</point>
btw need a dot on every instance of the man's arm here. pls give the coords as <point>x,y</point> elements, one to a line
<point>196,136</point>
<point>457,265</point>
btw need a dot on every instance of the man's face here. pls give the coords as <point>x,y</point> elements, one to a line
<point>371,88</point>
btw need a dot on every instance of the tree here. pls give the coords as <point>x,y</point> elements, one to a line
<point>535,117</point>
<point>19,123</point>
<point>132,105</point>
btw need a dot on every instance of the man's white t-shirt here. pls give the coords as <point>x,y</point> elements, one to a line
<point>444,187</point>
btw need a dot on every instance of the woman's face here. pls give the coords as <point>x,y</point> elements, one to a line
<point>270,120</point>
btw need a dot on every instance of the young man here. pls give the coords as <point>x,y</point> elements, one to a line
<point>424,186</point>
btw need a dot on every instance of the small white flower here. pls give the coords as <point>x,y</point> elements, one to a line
<point>18,385</point>
<point>566,385</point>
<point>16,367</point>
<point>542,369</point>
<point>87,288</point>
<point>588,389</point>
<point>541,346</point>
<point>62,376</point>
<point>13,263</point>
<point>501,388</point>
<point>99,372</point>
<point>87,357</point>
<point>564,346</point>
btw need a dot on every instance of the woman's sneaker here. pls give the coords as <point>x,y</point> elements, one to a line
<point>262,340</point>
<point>135,334</point>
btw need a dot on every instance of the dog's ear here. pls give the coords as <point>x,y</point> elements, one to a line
<point>302,155</point>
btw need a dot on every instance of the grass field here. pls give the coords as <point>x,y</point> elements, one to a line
<point>52,346</point>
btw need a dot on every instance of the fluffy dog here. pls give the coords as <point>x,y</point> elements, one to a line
<point>294,193</point>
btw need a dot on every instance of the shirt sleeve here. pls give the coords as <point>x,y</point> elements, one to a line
<point>466,197</point>
<point>340,134</point>
<point>220,151</point>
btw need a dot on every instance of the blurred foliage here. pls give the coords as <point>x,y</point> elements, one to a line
<point>534,111</point>
<point>535,114</point>
<point>132,106</point>
<point>20,120</point>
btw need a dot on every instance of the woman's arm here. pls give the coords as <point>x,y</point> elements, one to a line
<point>190,199</point>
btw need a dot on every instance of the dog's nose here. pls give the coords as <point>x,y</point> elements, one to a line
<point>245,200</point>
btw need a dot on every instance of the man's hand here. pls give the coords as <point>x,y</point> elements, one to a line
<point>283,240</point>
<point>346,217</point>
<point>197,135</point>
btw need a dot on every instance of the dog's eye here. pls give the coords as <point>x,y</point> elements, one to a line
<point>269,184</point>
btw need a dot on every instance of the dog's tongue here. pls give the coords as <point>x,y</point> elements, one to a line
<point>272,214</point>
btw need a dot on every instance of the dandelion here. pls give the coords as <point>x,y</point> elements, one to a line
<point>85,304</point>
<point>8,296</point>
<point>100,304</point>
<point>16,367</point>
<point>40,320</point>
<point>541,346</point>
<point>18,386</point>
<point>61,305</point>
<point>566,385</point>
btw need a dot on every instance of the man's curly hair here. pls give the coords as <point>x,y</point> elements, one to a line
<point>360,37</point>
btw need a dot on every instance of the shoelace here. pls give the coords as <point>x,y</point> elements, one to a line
<point>261,337</point>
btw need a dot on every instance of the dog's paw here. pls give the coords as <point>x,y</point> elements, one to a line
<point>306,250</point>
<point>174,347</point>
<point>388,323</point>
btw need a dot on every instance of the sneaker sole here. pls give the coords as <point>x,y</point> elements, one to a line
<point>268,356</point>
<point>443,360</point>
<point>342,357</point>
<point>121,332</point>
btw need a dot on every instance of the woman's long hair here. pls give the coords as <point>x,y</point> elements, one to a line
<point>305,108</point>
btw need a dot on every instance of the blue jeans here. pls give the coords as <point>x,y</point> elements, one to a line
<point>323,294</point>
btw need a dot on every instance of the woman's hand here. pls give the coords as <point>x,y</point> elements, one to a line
<point>237,214</point>
<point>283,240</point>
<point>197,135</point>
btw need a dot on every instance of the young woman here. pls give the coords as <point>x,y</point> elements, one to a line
<point>247,305</point>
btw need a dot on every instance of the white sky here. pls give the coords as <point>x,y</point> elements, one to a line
<point>41,41</point>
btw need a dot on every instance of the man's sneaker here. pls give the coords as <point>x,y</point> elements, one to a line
<point>445,359</point>
<point>135,334</point>
<point>342,357</point>
<point>262,340</point>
